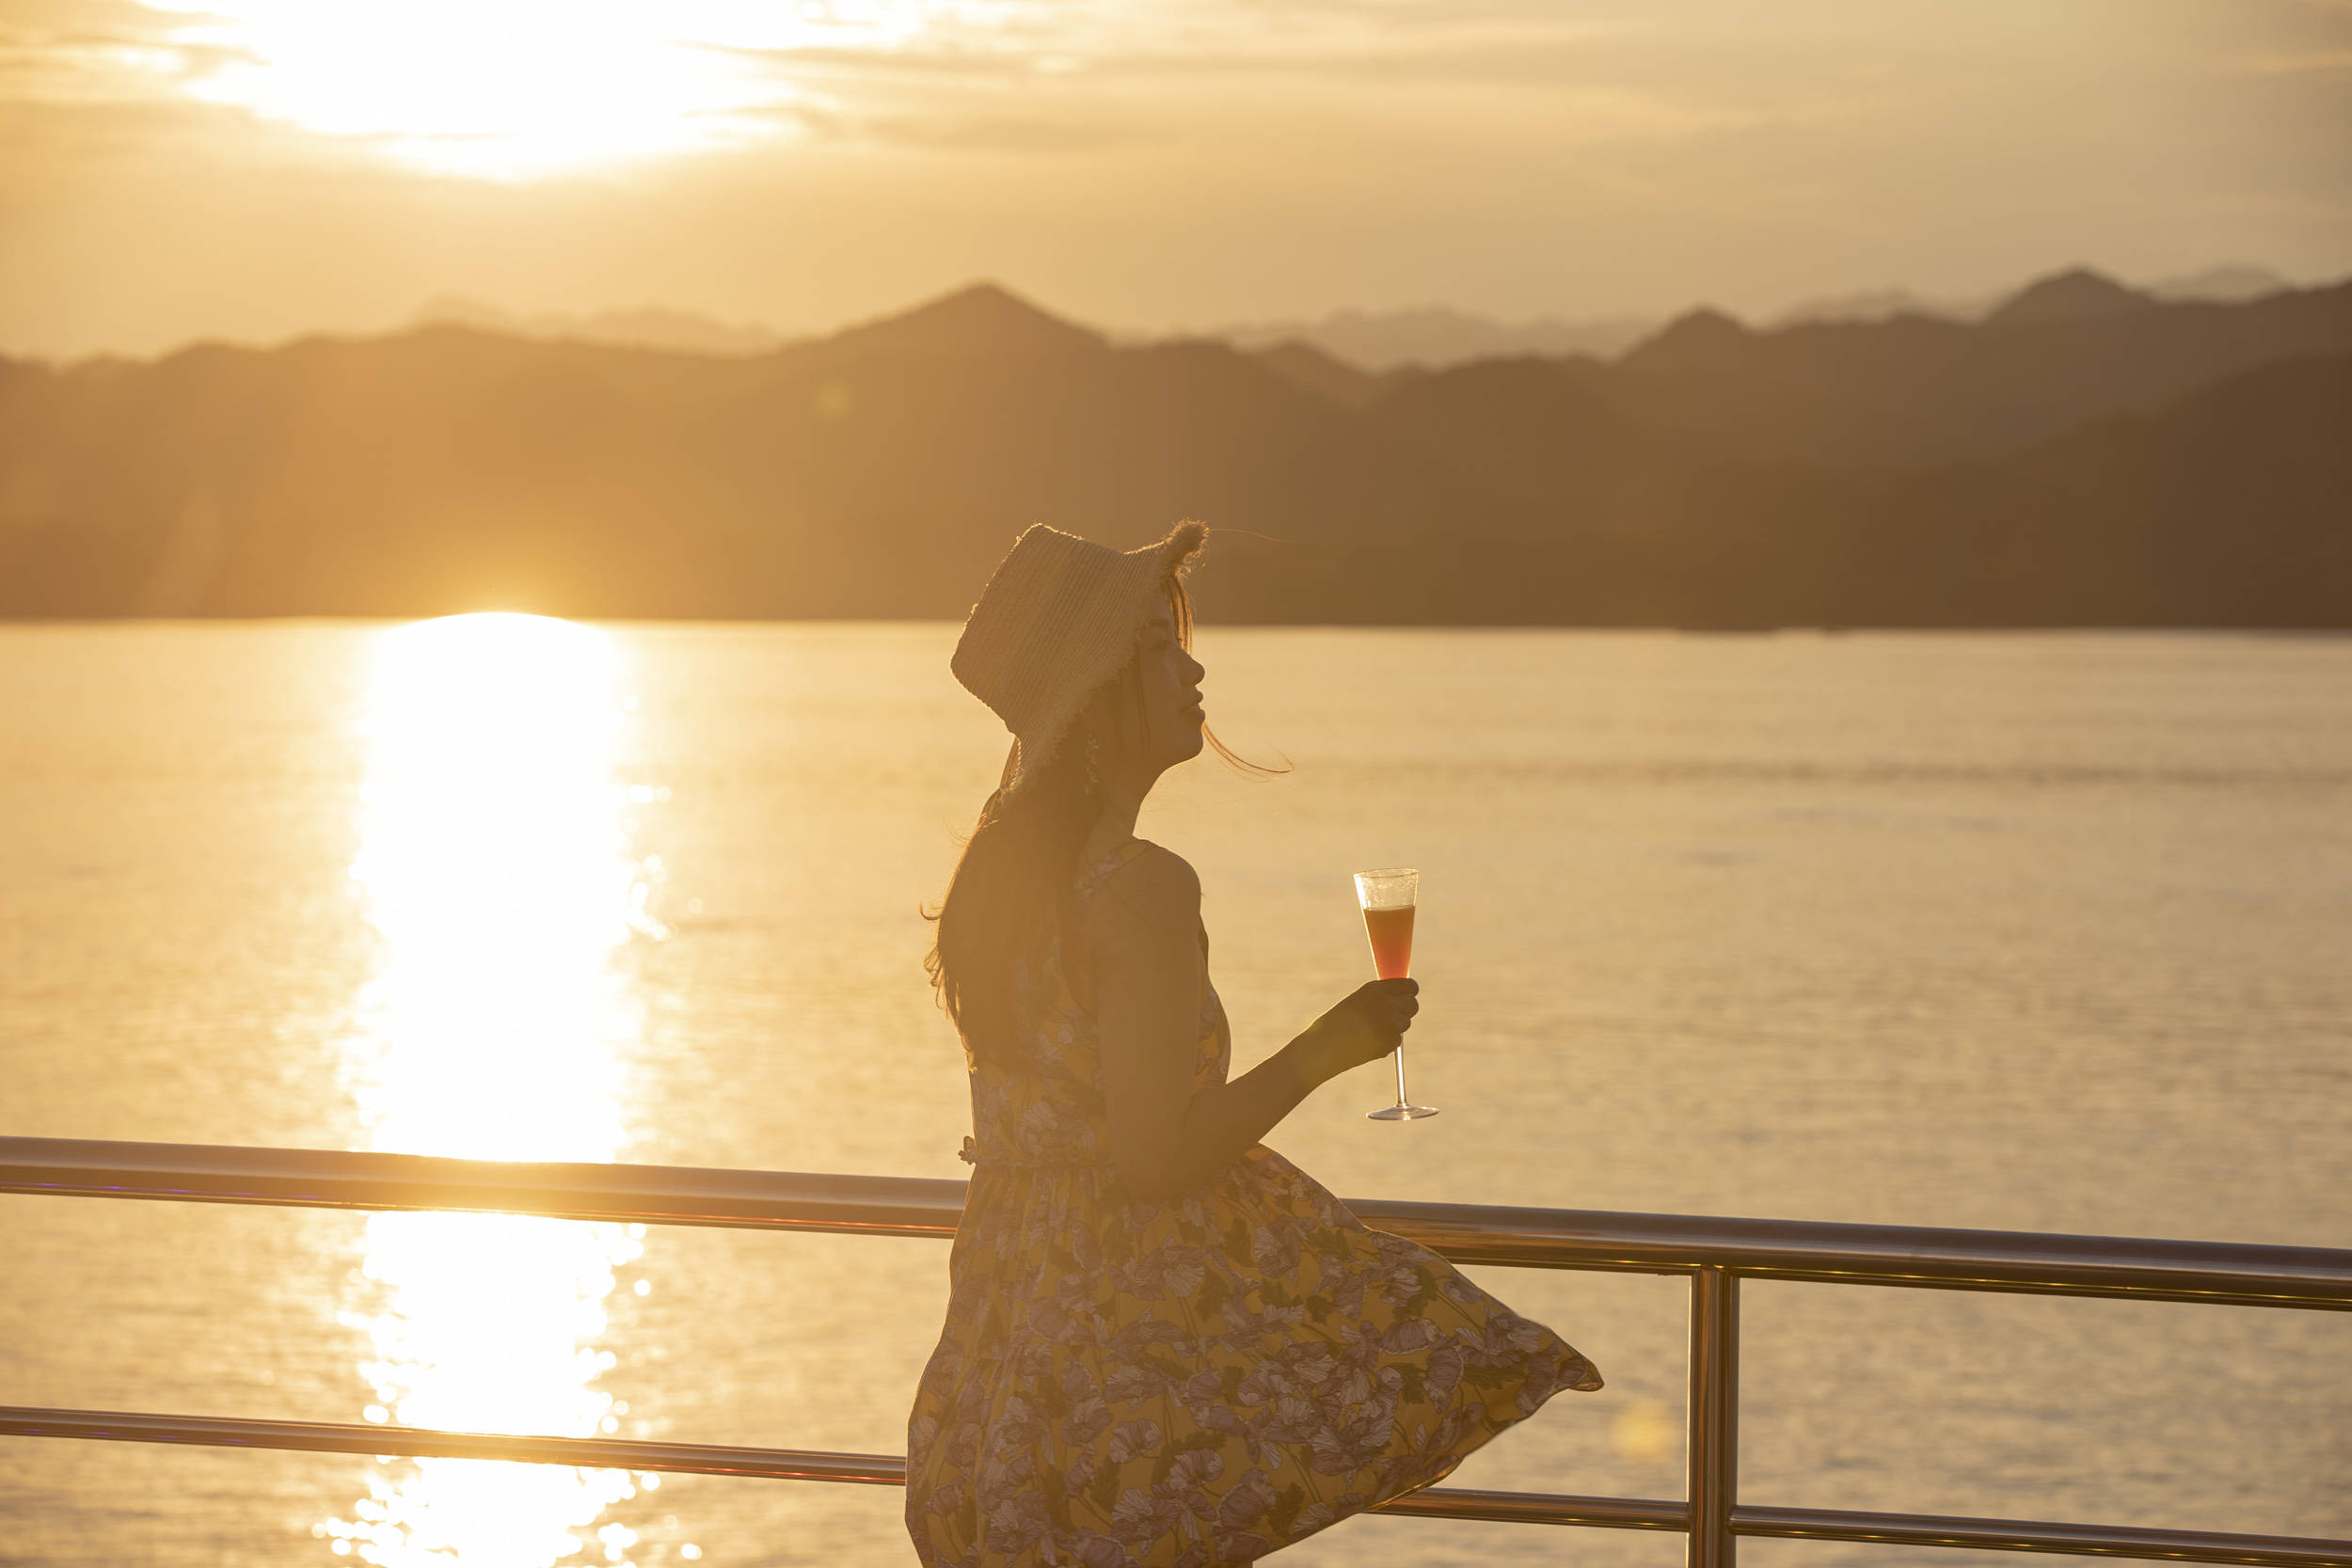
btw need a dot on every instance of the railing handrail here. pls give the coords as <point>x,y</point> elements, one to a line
<point>2220,1272</point>
<point>1438,1502</point>
<point>1716,1254</point>
<point>704,1459</point>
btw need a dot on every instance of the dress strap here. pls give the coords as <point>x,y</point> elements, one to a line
<point>1102,870</point>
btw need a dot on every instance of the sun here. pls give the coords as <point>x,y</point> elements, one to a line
<point>521,89</point>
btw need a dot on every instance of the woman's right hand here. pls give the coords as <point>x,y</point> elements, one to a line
<point>1363,1028</point>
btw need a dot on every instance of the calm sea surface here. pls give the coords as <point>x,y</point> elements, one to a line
<point>2046,932</point>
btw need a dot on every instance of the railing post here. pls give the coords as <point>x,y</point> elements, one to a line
<point>1714,1422</point>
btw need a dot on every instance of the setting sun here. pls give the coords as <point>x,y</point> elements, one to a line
<point>524,88</point>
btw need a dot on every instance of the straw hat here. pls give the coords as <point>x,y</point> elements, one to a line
<point>1057,620</point>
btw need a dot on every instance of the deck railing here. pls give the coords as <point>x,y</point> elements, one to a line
<point>1716,1254</point>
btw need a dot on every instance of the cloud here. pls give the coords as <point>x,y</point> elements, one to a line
<point>1009,76</point>
<point>1006,133</point>
<point>120,54</point>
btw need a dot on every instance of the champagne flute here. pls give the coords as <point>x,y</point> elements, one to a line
<point>1388,899</point>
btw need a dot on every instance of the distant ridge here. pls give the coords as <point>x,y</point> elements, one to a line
<point>1375,343</point>
<point>647,327</point>
<point>1874,305</point>
<point>980,319</point>
<point>1910,390</point>
<point>2231,284</point>
<point>2095,457</point>
<point>1697,339</point>
<point>2075,295</point>
<point>2228,284</point>
<point>1434,338</point>
<point>1302,364</point>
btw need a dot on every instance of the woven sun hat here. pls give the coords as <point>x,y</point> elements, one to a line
<point>1057,621</point>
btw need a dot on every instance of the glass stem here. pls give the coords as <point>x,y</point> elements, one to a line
<point>1399,1076</point>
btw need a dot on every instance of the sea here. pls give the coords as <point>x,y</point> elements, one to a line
<point>2034,932</point>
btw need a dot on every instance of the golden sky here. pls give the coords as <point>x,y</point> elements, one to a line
<point>255,168</point>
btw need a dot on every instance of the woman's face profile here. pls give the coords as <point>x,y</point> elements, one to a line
<point>1170,683</point>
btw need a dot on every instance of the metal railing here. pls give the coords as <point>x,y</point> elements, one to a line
<point>1716,1254</point>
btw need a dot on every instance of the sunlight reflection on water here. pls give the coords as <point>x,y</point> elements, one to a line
<point>495,864</point>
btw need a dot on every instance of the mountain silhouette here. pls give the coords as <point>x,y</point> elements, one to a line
<point>1872,305</point>
<point>2227,284</point>
<point>1433,338</point>
<point>1302,364</point>
<point>2232,284</point>
<point>648,326</point>
<point>1912,389</point>
<point>2076,294</point>
<point>1694,343</point>
<point>981,320</point>
<point>2160,465</point>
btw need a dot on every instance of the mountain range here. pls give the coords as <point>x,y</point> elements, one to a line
<point>2084,454</point>
<point>2228,284</point>
<point>1428,336</point>
<point>648,326</point>
<point>1433,338</point>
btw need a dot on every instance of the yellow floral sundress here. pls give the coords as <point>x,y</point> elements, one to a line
<point>1189,1382</point>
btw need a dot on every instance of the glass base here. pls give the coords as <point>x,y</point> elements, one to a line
<point>1401,1113</point>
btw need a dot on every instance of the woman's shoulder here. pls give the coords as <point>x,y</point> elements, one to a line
<point>1151,884</point>
<point>1149,865</point>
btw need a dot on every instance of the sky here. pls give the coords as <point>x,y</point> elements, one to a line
<point>254,169</point>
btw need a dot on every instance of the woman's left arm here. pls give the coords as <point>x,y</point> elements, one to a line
<point>1165,1136</point>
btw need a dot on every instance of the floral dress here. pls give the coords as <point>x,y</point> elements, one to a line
<point>1187,1383</point>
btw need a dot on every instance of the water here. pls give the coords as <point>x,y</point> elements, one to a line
<point>2035,931</point>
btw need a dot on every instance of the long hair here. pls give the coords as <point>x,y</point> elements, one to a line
<point>1014,888</point>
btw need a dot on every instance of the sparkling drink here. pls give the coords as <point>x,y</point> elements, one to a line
<point>1391,934</point>
<point>1388,899</point>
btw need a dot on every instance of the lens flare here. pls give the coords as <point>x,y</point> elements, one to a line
<point>1646,1432</point>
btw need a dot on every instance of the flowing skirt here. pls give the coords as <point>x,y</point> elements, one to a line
<point>1197,1382</point>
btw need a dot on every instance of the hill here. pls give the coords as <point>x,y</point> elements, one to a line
<point>648,326</point>
<point>1432,337</point>
<point>1914,389</point>
<point>877,473</point>
<point>881,471</point>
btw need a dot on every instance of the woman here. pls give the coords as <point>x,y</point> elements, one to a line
<point>1165,1344</point>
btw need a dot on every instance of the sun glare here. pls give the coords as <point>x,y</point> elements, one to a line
<point>518,89</point>
<point>496,867</point>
